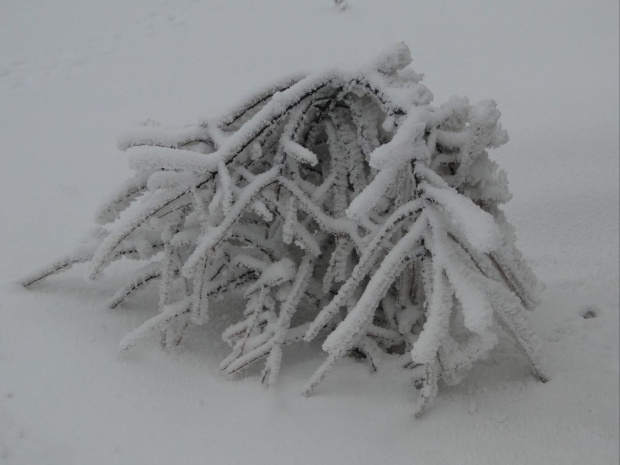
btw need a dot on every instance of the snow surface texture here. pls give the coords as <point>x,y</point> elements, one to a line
<point>70,82</point>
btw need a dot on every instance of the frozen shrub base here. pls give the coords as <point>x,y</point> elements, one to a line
<point>342,205</point>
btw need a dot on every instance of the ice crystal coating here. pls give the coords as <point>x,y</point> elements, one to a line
<point>341,205</point>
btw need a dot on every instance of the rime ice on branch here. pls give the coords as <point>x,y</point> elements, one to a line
<point>341,205</point>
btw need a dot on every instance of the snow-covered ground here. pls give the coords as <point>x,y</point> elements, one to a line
<point>75,74</point>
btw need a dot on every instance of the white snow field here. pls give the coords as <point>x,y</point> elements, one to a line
<point>76,74</point>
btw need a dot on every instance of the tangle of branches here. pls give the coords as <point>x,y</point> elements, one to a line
<point>342,205</point>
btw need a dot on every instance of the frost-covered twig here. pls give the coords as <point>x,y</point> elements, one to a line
<point>339,204</point>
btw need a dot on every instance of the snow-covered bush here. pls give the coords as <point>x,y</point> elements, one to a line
<point>341,205</point>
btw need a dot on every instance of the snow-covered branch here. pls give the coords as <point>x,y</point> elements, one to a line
<point>340,205</point>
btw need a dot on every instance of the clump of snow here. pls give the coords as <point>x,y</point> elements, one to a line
<point>393,58</point>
